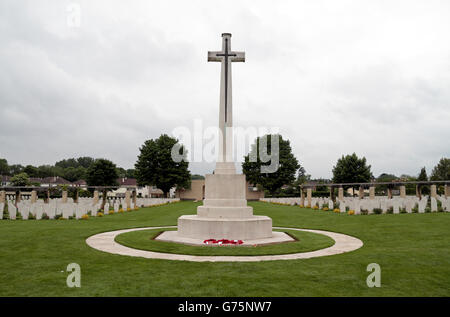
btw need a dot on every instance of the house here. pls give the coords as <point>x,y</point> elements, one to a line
<point>155,192</point>
<point>80,183</point>
<point>5,180</point>
<point>54,181</point>
<point>127,182</point>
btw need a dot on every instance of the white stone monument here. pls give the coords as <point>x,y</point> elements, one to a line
<point>225,214</point>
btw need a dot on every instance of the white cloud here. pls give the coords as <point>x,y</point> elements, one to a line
<point>336,77</point>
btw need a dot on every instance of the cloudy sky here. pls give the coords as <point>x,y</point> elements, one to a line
<point>336,77</point>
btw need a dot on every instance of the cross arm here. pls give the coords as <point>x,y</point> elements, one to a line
<point>240,57</point>
<point>213,58</point>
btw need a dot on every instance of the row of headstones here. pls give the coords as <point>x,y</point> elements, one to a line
<point>70,209</point>
<point>383,203</point>
<point>285,201</point>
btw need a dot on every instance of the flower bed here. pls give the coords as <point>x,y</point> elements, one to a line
<point>222,241</point>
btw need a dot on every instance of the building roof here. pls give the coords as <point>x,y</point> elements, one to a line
<point>55,180</point>
<point>155,191</point>
<point>124,181</point>
<point>35,180</point>
<point>80,182</point>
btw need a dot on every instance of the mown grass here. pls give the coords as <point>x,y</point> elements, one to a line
<point>306,241</point>
<point>412,250</point>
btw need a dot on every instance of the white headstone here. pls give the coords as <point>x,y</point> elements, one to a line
<point>12,211</point>
<point>342,207</point>
<point>433,204</point>
<point>396,206</point>
<point>330,205</point>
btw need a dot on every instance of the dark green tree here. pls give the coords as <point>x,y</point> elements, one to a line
<point>85,161</point>
<point>20,179</point>
<point>31,170</point>
<point>441,172</point>
<point>131,173</point>
<point>4,168</point>
<point>155,165</point>
<point>384,178</point>
<point>302,177</point>
<point>71,162</point>
<point>102,173</point>
<point>423,177</point>
<point>351,169</point>
<point>121,172</point>
<point>46,171</point>
<point>15,169</point>
<point>74,173</point>
<point>283,174</point>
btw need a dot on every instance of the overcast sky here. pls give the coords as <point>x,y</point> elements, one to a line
<point>336,77</point>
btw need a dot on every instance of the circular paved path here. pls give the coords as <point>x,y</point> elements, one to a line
<point>105,242</point>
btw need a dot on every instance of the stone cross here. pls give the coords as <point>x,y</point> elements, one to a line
<point>226,56</point>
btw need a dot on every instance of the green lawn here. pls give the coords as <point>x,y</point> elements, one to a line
<point>306,241</point>
<point>412,250</point>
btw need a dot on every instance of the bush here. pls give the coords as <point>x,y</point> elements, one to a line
<point>377,211</point>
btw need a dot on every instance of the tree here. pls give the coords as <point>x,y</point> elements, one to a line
<point>31,170</point>
<point>21,179</point>
<point>46,171</point>
<point>423,178</point>
<point>74,173</point>
<point>85,161</point>
<point>15,169</point>
<point>72,162</point>
<point>286,168</point>
<point>4,168</point>
<point>423,175</point>
<point>102,173</point>
<point>121,172</point>
<point>302,177</point>
<point>155,165</point>
<point>197,176</point>
<point>441,172</point>
<point>130,173</point>
<point>351,169</point>
<point>384,178</point>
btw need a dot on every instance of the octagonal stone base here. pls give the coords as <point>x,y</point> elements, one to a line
<point>248,228</point>
<point>173,236</point>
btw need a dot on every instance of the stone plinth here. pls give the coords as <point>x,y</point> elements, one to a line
<point>173,236</point>
<point>248,228</point>
<point>225,214</point>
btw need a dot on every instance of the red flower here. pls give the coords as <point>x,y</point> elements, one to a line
<point>222,241</point>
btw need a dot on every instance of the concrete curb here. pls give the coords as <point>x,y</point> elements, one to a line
<point>105,242</point>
